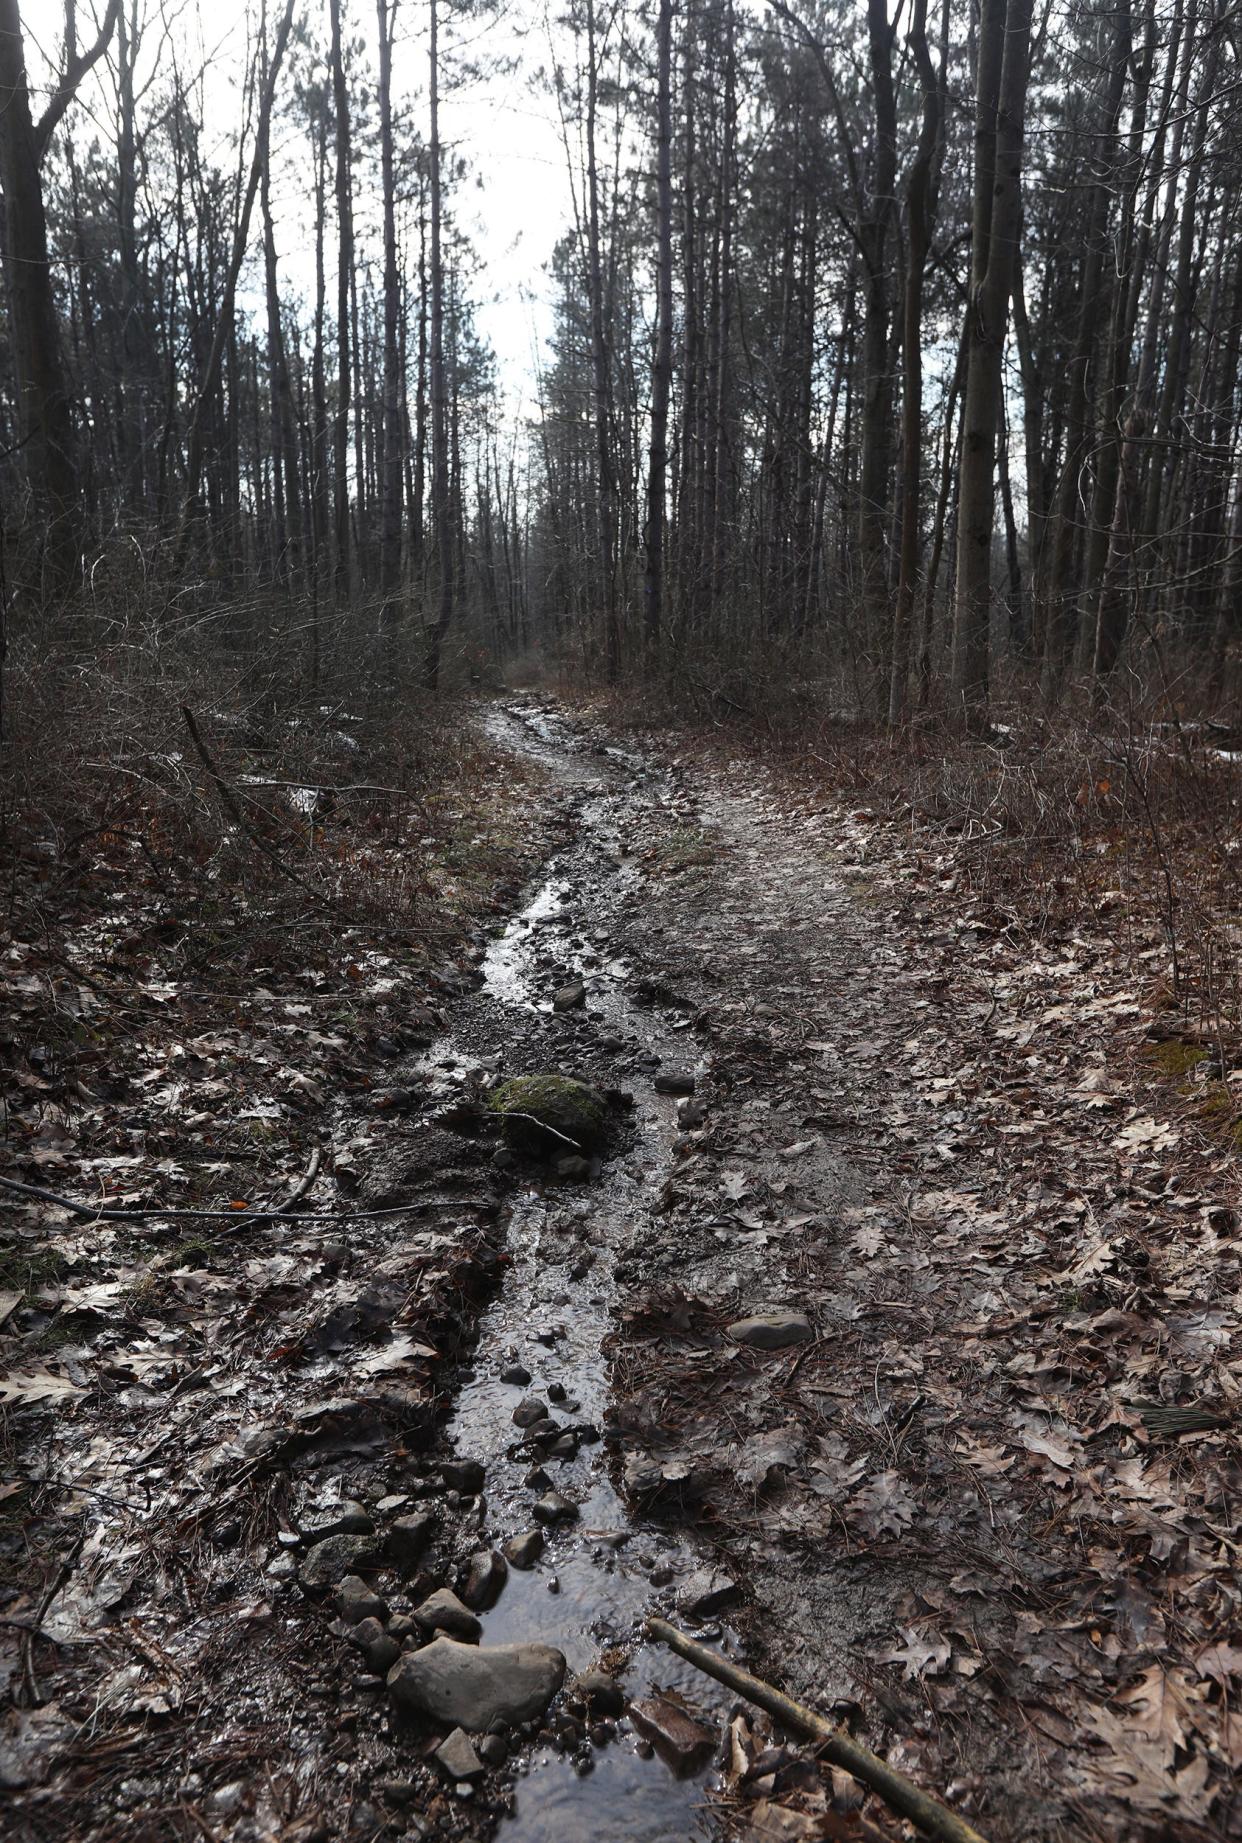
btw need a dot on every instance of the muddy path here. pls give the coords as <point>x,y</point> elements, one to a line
<point>270,1438</point>
<point>601,1569</point>
<point>874,1336</point>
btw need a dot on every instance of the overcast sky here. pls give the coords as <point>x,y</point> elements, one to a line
<point>516,201</point>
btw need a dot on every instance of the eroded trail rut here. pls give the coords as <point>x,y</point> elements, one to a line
<point>792,1356</point>
<point>280,1445</point>
<point>601,1570</point>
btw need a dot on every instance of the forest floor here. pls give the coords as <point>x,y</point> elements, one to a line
<point>973,1491</point>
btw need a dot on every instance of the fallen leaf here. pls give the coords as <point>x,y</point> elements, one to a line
<point>37,1385</point>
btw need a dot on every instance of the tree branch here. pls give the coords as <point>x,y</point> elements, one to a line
<point>79,63</point>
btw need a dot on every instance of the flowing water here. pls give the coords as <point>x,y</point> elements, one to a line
<point>600,1575</point>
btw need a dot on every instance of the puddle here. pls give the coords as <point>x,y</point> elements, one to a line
<point>591,1589</point>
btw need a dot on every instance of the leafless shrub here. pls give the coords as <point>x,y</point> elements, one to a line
<point>293,792</point>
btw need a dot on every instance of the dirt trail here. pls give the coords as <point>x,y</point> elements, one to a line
<point>993,1502</point>
<point>924,1497</point>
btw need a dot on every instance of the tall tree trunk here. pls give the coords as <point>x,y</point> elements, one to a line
<point>1093,308</point>
<point>441,487</point>
<point>606,473</point>
<point>662,365</point>
<point>1002,71</point>
<point>344,278</point>
<point>390,493</point>
<point>224,331</point>
<point>45,419</point>
<point>919,207</point>
<point>277,373</point>
<point>877,441</point>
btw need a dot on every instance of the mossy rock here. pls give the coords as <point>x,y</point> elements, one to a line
<point>541,1112</point>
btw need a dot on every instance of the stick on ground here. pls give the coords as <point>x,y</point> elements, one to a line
<point>898,1792</point>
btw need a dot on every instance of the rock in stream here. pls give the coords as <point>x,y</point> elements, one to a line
<point>477,1686</point>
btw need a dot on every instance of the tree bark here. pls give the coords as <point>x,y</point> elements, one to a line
<point>919,209</point>
<point>441,492</point>
<point>390,480</point>
<point>1000,100</point>
<point>344,277</point>
<point>45,418</point>
<point>662,364</point>
<point>224,328</point>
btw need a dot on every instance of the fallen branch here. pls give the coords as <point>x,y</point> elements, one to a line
<point>304,1185</point>
<point>232,806</point>
<point>288,1208</point>
<point>96,1212</point>
<point>514,1113</point>
<point>328,787</point>
<point>31,1699</point>
<point>898,1792</point>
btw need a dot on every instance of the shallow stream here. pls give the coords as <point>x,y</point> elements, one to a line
<point>601,1574</point>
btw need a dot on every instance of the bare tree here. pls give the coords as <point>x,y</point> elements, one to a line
<point>1001,74</point>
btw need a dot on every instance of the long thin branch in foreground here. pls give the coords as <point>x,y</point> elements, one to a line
<point>96,1212</point>
<point>898,1792</point>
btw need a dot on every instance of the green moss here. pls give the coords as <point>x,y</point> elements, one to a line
<point>29,1270</point>
<point>686,847</point>
<point>1218,1103</point>
<point>191,1252</point>
<point>541,1112</point>
<point>1175,1057</point>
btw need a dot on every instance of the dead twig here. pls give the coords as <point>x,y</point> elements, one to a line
<point>286,1209</point>
<point>898,1792</point>
<point>95,1212</point>
<point>513,1113</point>
<point>232,806</point>
<point>30,1685</point>
<point>304,1185</point>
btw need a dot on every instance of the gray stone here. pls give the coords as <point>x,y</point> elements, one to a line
<point>442,1611</point>
<point>691,1113</point>
<point>357,1601</point>
<point>477,1687</point>
<point>601,1692</point>
<point>678,1738</point>
<point>397,1791</point>
<point>333,1558</point>
<point>516,1372</point>
<point>484,1579</point>
<point>530,1411</point>
<point>772,1330</point>
<point>457,1758</point>
<point>524,1551</point>
<point>707,1591</point>
<point>674,1083</point>
<point>553,1508</point>
<point>380,1649</point>
<point>349,1519</point>
<point>494,1749</point>
<point>465,1475</point>
<point>571,997</point>
<point>576,1169</point>
<point>406,1540</point>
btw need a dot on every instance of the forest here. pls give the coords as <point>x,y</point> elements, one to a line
<point>900,353</point>
<point>620,809</point>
